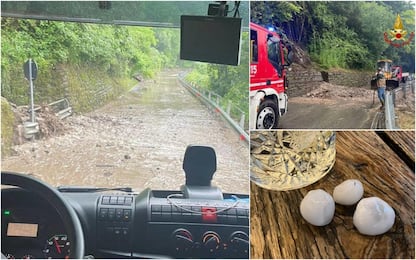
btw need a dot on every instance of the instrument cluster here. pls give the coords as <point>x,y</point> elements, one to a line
<point>33,231</point>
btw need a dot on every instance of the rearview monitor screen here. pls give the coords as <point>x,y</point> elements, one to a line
<point>211,39</point>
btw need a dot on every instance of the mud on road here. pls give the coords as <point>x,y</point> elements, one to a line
<point>331,106</point>
<point>138,141</point>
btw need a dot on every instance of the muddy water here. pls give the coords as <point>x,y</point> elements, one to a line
<point>138,141</point>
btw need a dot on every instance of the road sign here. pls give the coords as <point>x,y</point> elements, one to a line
<point>31,69</point>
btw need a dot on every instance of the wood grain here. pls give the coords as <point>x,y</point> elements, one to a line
<point>279,231</point>
<point>402,143</point>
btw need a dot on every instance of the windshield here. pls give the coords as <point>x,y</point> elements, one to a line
<point>114,106</point>
<point>384,65</point>
<point>273,53</point>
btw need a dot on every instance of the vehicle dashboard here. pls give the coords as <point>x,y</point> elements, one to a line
<point>27,224</point>
<point>150,224</point>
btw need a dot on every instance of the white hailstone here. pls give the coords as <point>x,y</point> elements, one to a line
<point>348,193</point>
<point>317,207</point>
<point>373,216</point>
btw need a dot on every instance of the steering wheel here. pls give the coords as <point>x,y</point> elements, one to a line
<point>54,198</point>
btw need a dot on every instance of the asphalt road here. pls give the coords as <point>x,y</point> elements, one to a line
<point>334,114</point>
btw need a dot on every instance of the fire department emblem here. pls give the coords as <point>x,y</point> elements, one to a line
<point>397,36</point>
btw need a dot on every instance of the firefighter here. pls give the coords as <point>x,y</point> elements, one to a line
<point>381,86</point>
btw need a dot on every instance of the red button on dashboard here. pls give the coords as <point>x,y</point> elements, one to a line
<point>209,214</point>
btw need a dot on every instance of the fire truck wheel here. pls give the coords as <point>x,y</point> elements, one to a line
<point>268,115</point>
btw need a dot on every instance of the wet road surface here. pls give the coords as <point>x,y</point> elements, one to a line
<point>139,141</point>
<point>303,114</point>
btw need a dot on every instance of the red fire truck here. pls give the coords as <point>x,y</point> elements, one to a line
<point>269,57</point>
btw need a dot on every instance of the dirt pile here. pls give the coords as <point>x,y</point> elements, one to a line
<point>331,91</point>
<point>300,56</point>
<point>332,94</point>
<point>49,123</point>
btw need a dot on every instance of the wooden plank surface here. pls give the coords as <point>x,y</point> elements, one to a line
<point>404,139</point>
<point>403,143</point>
<point>279,231</point>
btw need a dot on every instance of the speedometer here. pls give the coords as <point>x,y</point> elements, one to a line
<point>58,246</point>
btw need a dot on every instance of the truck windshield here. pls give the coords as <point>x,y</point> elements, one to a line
<point>384,65</point>
<point>113,104</point>
<point>273,53</point>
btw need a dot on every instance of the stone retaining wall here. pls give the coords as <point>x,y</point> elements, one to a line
<point>302,81</point>
<point>350,78</point>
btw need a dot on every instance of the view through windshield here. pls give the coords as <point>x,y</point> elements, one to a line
<point>129,117</point>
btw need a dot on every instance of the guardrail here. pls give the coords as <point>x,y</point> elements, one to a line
<point>404,90</point>
<point>232,114</point>
<point>390,103</point>
<point>61,108</point>
<point>389,116</point>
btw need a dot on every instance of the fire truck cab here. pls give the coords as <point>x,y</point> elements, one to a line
<point>269,57</point>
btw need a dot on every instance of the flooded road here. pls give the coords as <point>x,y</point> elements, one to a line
<point>138,141</point>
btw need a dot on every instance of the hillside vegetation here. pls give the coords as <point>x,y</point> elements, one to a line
<point>96,55</point>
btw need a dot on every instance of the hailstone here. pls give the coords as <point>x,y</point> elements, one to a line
<point>373,216</point>
<point>349,192</point>
<point>317,207</point>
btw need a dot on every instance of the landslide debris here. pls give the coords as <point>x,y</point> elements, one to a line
<point>49,123</point>
<point>327,90</point>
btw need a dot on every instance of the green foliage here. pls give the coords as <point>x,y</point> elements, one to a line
<point>113,51</point>
<point>272,12</point>
<point>141,48</point>
<point>7,122</point>
<point>230,82</point>
<point>375,20</point>
<point>199,75</point>
<point>168,41</point>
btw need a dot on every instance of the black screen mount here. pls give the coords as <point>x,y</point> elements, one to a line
<point>218,9</point>
<point>200,164</point>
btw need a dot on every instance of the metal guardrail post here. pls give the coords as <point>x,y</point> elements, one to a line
<point>229,107</point>
<point>243,118</point>
<point>393,96</point>
<point>389,110</point>
<point>30,129</point>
